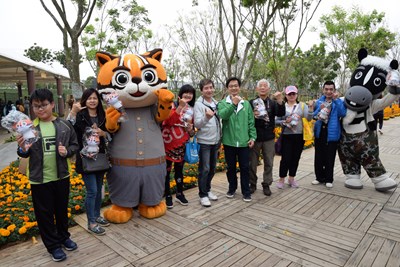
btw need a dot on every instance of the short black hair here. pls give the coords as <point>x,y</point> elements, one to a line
<point>232,79</point>
<point>329,83</point>
<point>204,82</point>
<point>187,88</point>
<point>41,95</point>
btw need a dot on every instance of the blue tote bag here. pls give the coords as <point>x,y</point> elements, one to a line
<point>192,151</point>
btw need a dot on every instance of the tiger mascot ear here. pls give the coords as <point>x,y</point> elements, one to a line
<point>155,54</point>
<point>103,57</point>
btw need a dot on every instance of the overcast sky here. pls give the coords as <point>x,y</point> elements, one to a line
<point>24,22</point>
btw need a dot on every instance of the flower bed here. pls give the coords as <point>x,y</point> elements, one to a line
<point>17,219</point>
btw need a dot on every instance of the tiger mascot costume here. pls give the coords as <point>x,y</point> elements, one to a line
<point>137,176</point>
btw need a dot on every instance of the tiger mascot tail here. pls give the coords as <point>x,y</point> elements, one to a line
<point>137,176</point>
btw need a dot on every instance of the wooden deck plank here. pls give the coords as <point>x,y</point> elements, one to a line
<point>372,252</point>
<point>234,258</point>
<point>182,246</point>
<point>394,259</point>
<point>384,253</point>
<point>364,213</point>
<point>221,253</point>
<point>360,251</point>
<point>206,253</point>
<point>308,239</point>
<point>273,244</point>
<point>348,234</point>
<point>354,214</point>
<point>383,225</point>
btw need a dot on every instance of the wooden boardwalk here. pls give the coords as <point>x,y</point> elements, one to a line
<point>307,226</point>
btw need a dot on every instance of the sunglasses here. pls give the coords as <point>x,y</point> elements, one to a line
<point>292,94</point>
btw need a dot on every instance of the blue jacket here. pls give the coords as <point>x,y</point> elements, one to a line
<point>334,127</point>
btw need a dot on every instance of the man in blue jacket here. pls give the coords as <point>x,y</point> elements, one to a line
<point>328,111</point>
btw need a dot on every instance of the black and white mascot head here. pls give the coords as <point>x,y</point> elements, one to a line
<point>368,80</point>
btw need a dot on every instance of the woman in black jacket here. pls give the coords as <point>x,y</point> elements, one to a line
<point>90,113</point>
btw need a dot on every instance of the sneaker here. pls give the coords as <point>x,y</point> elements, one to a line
<point>168,202</point>
<point>380,131</point>
<point>280,185</point>
<point>293,184</point>
<point>97,230</point>
<point>70,245</point>
<point>212,196</point>
<point>58,255</point>
<point>205,202</point>
<point>315,182</point>
<point>182,200</point>
<point>102,222</point>
<point>230,194</point>
<point>267,190</point>
<point>247,198</point>
<point>329,185</point>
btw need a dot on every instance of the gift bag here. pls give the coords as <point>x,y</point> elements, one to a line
<point>192,151</point>
<point>308,133</point>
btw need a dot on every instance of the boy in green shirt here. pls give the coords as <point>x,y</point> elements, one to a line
<point>48,173</point>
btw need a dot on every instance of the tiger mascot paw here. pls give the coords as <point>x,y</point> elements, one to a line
<point>165,99</point>
<point>112,117</point>
<point>151,212</point>
<point>117,214</point>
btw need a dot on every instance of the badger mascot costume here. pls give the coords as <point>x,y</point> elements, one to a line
<point>359,142</point>
<point>137,176</point>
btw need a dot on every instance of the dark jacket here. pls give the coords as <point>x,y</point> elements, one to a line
<point>65,135</point>
<point>338,111</point>
<point>265,130</point>
<point>82,121</point>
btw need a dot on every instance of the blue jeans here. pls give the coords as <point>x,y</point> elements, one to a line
<point>93,183</point>
<point>207,162</point>
<point>232,155</point>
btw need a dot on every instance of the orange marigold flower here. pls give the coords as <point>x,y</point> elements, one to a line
<point>22,230</point>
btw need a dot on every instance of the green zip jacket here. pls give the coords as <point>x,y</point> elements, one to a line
<point>237,123</point>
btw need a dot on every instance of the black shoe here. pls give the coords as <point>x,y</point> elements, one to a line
<point>70,245</point>
<point>252,189</point>
<point>182,200</point>
<point>230,194</point>
<point>58,254</point>
<point>266,190</point>
<point>102,222</point>
<point>246,198</point>
<point>168,202</point>
<point>97,230</point>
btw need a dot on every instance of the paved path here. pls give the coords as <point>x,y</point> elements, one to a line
<point>8,151</point>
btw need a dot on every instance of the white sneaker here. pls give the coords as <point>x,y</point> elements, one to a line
<point>205,202</point>
<point>380,131</point>
<point>212,196</point>
<point>329,185</point>
<point>315,182</point>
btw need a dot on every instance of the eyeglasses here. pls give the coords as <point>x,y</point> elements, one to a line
<point>42,106</point>
<point>291,94</point>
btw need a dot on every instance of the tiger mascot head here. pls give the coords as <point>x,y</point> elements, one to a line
<point>135,78</point>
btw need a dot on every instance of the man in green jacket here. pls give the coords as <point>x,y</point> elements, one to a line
<point>238,136</point>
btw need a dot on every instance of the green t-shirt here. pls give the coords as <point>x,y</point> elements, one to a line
<point>49,145</point>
